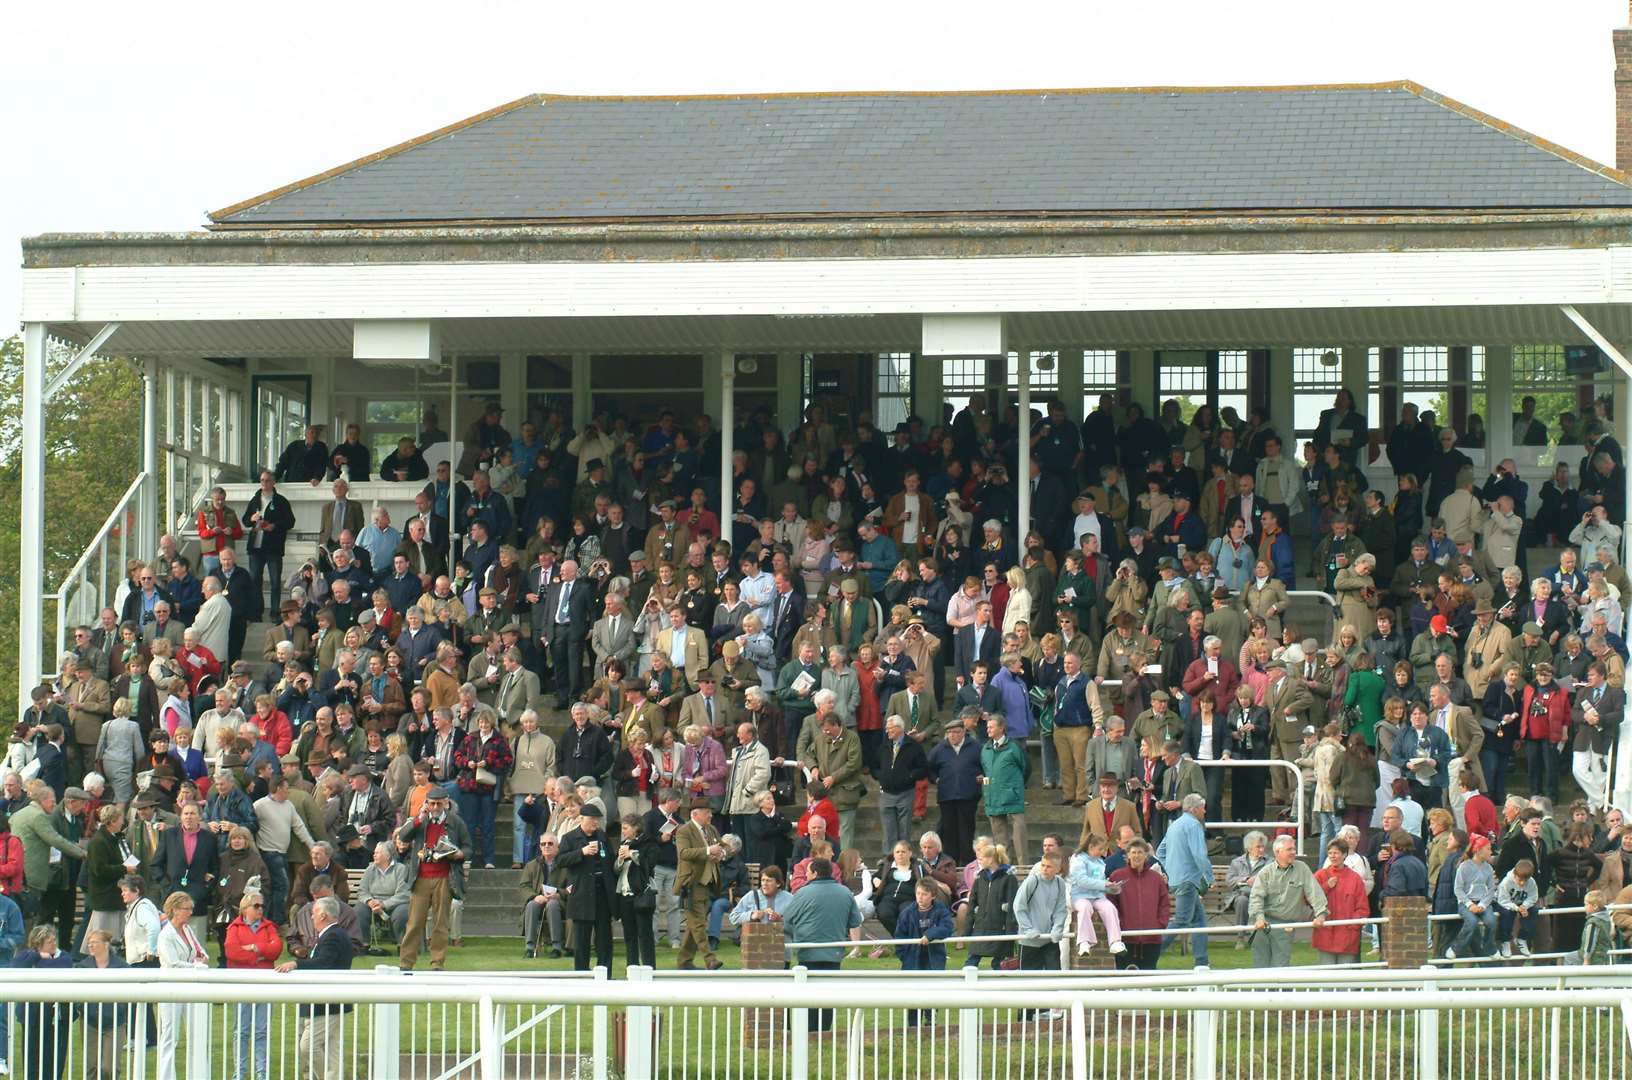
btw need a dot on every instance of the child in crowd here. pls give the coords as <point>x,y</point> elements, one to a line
<point>1089,886</point>
<point>1597,932</point>
<point>1516,899</point>
<point>1475,886</point>
<point>928,923</point>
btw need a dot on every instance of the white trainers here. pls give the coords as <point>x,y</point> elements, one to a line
<point>1117,948</point>
<point>1523,947</point>
<point>1083,947</point>
<point>1054,1014</point>
<point>1507,950</point>
<point>1450,954</point>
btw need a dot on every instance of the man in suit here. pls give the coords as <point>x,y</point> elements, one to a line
<point>518,690</point>
<point>614,634</point>
<point>980,640</point>
<point>244,596</point>
<point>89,706</point>
<point>565,628</point>
<point>787,614</point>
<point>322,1040</point>
<point>707,708</point>
<point>1596,721</point>
<point>36,826</point>
<point>1181,777</point>
<point>343,515</point>
<point>639,713</point>
<point>588,860</point>
<point>1106,815</point>
<point>366,807</point>
<point>915,705</point>
<point>1048,500</point>
<point>1288,703</point>
<point>189,858</point>
<point>425,558</point>
<point>684,645</point>
<point>268,517</point>
<point>698,853</point>
<point>979,691</point>
<point>667,540</point>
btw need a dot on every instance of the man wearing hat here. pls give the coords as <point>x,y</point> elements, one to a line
<point>667,540</point>
<point>1336,551</point>
<point>288,629</point>
<point>436,845</point>
<point>1429,644</point>
<point>698,852</point>
<point>1184,529</point>
<point>1117,652</point>
<point>367,807</point>
<point>518,688</point>
<point>1529,651</point>
<point>1289,704</point>
<point>708,708</point>
<point>1488,642</point>
<point>484,437</point>
<point>588,859</point>
<point>591,487</point>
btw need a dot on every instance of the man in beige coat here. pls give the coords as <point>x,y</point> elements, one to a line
<point>1487,649</point>
<point>694,648</point>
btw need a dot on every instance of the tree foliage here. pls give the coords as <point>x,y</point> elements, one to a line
<point>93,450</point>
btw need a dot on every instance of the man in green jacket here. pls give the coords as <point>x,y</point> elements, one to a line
<point>32,825</point>
<point>1005,768</point>
<point>833,757</point>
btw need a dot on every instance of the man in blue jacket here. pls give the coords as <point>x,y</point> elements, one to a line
<point>1183,855</point>
<point>954,765</point>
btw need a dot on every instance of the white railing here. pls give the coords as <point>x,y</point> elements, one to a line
<point>1263,763</point>
<point>93,565</point>
<point>1567,1022</point>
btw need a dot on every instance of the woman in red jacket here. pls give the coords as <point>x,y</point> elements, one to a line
<point>218,528</point>
<point>252,941</point>
<point>1143,902</point>
<point>1544,724</point>
<point>1345,899</point>
<point>11,859</point>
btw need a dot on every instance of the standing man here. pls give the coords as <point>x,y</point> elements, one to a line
<point>1073,726</point>
<point>1183,854</point>
<point>662,823</point>
<point>902,765</point>
<point>823,910</point>
<point>322,1040</point>
<point>566,625</point>
<point>832,757</point>
<point>749,776</point>
<point>269,518</point>
<point>1288,703</point>
<point>279,824</point>
<point>1285,891</point>
<point>437,845</point>
<point>698,852</point>
<point>954,765</point>
<point>89,706</point>
<point>589,862</point>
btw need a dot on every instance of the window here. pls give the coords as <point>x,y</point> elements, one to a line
<point>1538,372</point>
<point>1232,382</point>
<point>893,394</point>
<point>549,386</point>
<point>386,422</point>
<point>1317,375</point>
<point>961,380</point>
<point>1044,384</point>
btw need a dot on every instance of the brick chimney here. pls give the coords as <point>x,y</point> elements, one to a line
<point>1623,94</point>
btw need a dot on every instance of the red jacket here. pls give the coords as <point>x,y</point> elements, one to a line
<point>1345,899</point>
<point>1555,700</point>
<point>11,864</point>
<point>822,809</point>
<point>1143,903</point>
<point>212,540</point>
<point>265,939</point>
<point>1223,687</point>
<point>1481,814</point>
<point>275,729</point>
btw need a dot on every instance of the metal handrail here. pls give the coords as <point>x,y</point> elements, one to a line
<point>114,519</point>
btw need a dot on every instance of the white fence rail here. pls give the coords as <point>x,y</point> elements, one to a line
<point>90,585</point>
<point>1570,1023</point>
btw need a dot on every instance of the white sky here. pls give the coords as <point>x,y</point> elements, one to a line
<point>130,117</point>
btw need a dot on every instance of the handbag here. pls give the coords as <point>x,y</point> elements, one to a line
<point>485,775</point>
<point>782,786</point>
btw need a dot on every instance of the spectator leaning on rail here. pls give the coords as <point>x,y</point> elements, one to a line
<point>1286,892</point>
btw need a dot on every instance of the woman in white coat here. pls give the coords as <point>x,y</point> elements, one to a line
<point>179,947</point>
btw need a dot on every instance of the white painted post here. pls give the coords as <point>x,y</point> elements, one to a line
<point>602,1040</point>
<point>637,1029</point>
<point>1079,1041</point>
<point>385,1036</point>
<point>799,1033</point>
<point>1428,1033</point>
<point>582,407</point>
<point>1022,524</point>
<point>31,561</point>
<point>1203,1039</point>
<point>199,1043</point>
<point>969,1032</point>
<point>1499,408</point>
<point>728,423</point>
<point>147,529</point>
<point>1280,396</point>
<point>1070,365</point>
<point>488,1045</point>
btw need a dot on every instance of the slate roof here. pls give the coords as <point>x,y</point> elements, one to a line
<point>1394,146</point>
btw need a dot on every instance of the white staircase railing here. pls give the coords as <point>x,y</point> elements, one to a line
<point>90,585</point>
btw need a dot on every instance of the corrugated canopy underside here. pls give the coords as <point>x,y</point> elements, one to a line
<point>865,155</point>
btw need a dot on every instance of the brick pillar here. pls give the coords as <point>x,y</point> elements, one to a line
<point>1622,39</point>
<point>1100,959</point>
<point>1405,935</point>
<point>762,949</point>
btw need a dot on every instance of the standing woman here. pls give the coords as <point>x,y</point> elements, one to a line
<point>252,942</point>
<point>483,761</point>
<point>1249,728</point>
<point>41,1035</point>
<point>107,860</point>
<point>179,948</point>
<point>1019,606</point>
<point>1356,780</point>
<point>634,775</point>
<point>108,1021</point>
<point>1346,898</point>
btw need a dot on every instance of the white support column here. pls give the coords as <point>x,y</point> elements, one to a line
<point>1141,364</point>
<point>147,529</point>
<point>1022,523</point>
<point>1499,408</point>
<point>1281,406</point>
<point>31,562</point>
<point>928,391</point>
<point>580,390</point>
<point>728,424</point>
<point>1357,376</point>
<point>1070,370</point>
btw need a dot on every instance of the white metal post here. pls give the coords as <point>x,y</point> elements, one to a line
<point>1499,405</point>
<point>1079,1041</point>
<point>1428,1032</point>
<point>637,1029</point>
<point>1203,1040</point>
<point>1022,524</point>
<point>147,529</point>
<point>453,462</point>
<point>799,1030</point>
<point>385,1037</point>
<point>602,1039</point>
<point>31,561</point>
<point>969,1032</point>
<point>487,1040</point>
<point>728,424</point>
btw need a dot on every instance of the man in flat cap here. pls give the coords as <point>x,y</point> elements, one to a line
<point>436,844</point>
<point>697,879</point>
<point>589,861</point>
